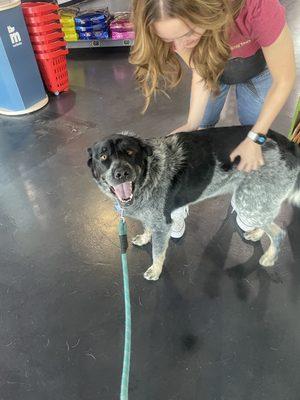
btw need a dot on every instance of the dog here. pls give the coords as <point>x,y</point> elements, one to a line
<point>151,178</point>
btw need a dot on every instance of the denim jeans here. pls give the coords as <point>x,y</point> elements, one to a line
<point>250,97</point>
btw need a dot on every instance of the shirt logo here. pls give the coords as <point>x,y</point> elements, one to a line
<point>239,45</point>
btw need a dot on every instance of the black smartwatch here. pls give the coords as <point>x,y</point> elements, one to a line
<point>257,138</point>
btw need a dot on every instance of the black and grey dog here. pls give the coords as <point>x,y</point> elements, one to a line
<point>153,177</point>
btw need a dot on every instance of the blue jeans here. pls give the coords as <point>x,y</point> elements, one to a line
<point>250,97</point>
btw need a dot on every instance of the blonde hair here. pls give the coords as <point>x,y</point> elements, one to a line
<point>157,66</point>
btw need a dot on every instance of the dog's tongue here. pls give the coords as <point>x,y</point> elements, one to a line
<point>123,191</point>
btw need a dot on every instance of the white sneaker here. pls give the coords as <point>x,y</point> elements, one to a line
<point>178,226</point>
<point>232,204</point>
<point>244,225</point>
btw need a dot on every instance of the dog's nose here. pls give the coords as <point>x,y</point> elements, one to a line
<point>121,174</point>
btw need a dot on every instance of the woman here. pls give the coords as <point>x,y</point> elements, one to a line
<point>245,43</point>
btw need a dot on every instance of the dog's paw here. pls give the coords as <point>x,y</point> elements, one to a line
<point>152,274</point>
<point>141,240</point>
<point>255,235</point>
<point>266,260</point>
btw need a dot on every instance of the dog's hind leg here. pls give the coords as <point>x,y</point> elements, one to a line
<point>160,240</point>
<point>144,238</point>
<point>276,236</point>
<point>255,235</point>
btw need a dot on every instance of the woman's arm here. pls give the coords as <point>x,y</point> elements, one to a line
<point>198,100</point>
<point>281,63</point>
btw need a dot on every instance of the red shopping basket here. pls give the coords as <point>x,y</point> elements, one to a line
<point>49,47</point>
<point>49,38</point>
<point>38,8</point>
<point>44,29</point>
<point>53,67</point>
<point>41,19</point>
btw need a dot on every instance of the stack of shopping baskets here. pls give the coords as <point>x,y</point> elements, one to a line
<point>47,38</point>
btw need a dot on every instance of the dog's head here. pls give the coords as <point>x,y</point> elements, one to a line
<point>118,164</point>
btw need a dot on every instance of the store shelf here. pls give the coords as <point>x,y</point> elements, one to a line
<point>67,3</point>
<point>84,44</point>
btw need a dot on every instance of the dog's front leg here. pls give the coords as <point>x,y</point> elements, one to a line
<point>144,238</point>
<point>160,240</point>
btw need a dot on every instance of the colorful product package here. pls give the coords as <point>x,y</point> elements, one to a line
<point>121,27</point>
<point>91,28</point>
<point>122,35</point>
<point>90,19</point>
<point>96,35</point>
<point>67,16</point>
<point>71,37</point>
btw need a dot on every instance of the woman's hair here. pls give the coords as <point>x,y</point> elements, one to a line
<point>157,66</point>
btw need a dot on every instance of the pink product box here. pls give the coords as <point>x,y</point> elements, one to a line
<point>120,30</point>
<point>127,27</point>
<point>120,26</point>
<point>129,35</point>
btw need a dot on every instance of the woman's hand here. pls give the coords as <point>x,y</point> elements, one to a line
<point>250,154</point>
<point>183,128</point>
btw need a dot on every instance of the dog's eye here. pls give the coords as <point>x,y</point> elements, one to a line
<point>103,157</point>
<point>130,152</point>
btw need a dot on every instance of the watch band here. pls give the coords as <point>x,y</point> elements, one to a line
<point>257,138</point>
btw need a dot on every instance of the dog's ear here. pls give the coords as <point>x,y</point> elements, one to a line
<point>89,151</point>
<point>147,149</point>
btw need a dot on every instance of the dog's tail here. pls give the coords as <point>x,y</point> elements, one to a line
<point>290,147</point>
<point>296,149</point>
<point>294,196</point>
<point>286,145</point>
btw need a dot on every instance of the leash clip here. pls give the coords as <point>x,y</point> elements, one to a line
<point>122,215</point>
<point>120,210</point>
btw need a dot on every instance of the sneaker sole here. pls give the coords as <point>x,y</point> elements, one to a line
<point>178,234</point>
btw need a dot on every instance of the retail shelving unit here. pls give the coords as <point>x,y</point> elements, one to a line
<point>84,44</point>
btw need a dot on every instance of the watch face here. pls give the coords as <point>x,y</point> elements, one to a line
<point>261,139</point>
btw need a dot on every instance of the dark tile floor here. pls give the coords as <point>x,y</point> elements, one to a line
<point>214,327</point>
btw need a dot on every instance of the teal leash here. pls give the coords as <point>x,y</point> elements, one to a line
<point>127,338</point>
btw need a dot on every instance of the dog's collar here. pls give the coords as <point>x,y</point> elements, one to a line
<point>120,210</point>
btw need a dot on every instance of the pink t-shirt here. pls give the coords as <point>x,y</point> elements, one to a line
<point>258,24</point>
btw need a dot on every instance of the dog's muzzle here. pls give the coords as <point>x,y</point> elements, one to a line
<point>123,191</point>
<point>122,184</point>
